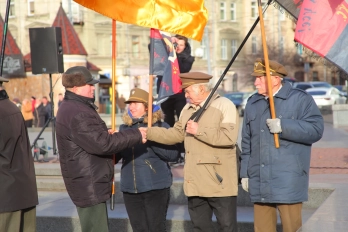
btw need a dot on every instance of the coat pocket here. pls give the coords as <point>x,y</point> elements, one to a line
<point>211,164</point>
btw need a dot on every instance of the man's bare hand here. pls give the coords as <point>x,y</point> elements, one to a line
<point>143,131</point>
<point>192,127</point>
<point>111,131</point>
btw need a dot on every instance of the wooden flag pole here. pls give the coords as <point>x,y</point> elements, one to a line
<point>113,108</point>
<point>269,84</point>
<point>149,108</point>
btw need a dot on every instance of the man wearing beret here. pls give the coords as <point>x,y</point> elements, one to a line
<point>278,178</point>
<point>18,192</point>
<point>210,170</point>
<point>86,148</point>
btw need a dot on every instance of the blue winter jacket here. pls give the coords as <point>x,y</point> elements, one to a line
<point>280,175</point>
<point>145,166</point>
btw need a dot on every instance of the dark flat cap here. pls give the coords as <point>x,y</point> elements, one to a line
<point>275,68</point>
<point>192,78</point>
<point>78,76</point>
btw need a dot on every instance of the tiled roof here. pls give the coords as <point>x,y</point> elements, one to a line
<point>11,47</point>
<point>71,42</point>
<point>92,67</point>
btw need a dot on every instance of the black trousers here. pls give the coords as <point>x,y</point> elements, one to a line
<point>147,211</point>
<point>201,211</point>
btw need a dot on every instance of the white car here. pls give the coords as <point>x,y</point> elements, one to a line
<point>326,96</point>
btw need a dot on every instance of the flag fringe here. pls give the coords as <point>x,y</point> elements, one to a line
<point>283,11</point>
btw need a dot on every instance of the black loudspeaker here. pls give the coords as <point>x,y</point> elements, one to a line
<point>46,50</point>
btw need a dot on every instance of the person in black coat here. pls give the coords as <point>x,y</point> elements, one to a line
<point>175,103</point>
<point>145,175</point>
<point>18,192</point>
<point>86,147</point>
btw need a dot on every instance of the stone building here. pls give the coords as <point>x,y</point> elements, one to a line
<point>228,24</point>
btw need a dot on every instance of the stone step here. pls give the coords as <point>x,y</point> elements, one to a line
<point>57,213</point>
<point>55,183</point>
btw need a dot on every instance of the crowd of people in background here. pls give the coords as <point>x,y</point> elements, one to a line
<point>36,111</point>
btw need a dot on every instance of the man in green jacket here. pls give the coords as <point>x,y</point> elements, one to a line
<point>210,179</point>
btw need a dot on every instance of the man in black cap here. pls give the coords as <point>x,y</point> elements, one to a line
<point>86,148</point>
<point>18,192</point>
<point>210,170</point>
<point>277,178</point>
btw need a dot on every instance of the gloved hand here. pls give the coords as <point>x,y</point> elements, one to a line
<point>274,125</point>
<point>245,184</point>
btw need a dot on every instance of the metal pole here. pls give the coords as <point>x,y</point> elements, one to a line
<point>201,110</point>
<point>4,36</point>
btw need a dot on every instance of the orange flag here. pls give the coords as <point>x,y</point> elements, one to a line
<point>183,17</point>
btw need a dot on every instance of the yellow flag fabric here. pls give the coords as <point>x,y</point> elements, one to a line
<point>183,17</point>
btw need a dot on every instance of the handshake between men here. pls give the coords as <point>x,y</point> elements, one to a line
<point>142,130</point>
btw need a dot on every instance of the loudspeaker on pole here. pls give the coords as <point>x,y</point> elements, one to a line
<point>46,50</point>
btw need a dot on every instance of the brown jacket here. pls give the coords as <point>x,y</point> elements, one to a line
<point>210,161</point>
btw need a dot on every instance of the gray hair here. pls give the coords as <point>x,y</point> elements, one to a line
<point>207,87</point>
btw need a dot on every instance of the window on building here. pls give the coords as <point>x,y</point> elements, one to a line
<point>253,45</point>
<point>31,9</point>
<point>233,11</point>
<point>254,9</point>
<point>12,12</point>
<point>135,46</point>
<point>233,47</point>
<point>76,13</point>
<point>315,76</point>
<point>222,11</point>
<point>224,49</point>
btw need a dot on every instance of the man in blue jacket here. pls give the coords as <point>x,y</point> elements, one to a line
<point>277,178</point>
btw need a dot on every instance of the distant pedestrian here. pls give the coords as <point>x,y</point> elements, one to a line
<point>33,104</point>
<point>27,113</point>
<point>60,99</point>
<point>18,191</point>
<point>121,103</point>
<point>277,178</point>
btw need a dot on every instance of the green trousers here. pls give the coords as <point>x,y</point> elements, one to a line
<point>94,218</point>
<point>19,221</point>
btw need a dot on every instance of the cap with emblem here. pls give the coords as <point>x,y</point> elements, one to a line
<point>78,76</point>
<point>275,68</point>
<point>138,95</point>
<point>192,78</point>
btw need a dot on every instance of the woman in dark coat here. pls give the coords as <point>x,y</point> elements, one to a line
<point>145,175</point>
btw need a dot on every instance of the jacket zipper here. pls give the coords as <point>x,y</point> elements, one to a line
<point>149,164</point>
<point>135,184</point>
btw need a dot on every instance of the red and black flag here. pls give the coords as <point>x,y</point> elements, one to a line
<point>293,7</point>
<point>322,27</point>
<point>163,62</point>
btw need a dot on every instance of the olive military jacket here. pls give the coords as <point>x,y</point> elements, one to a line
<point>210,161</point>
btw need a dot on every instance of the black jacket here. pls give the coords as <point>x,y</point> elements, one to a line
<point>86,148</point>
<point>145,166</point>
<point>17,174</point>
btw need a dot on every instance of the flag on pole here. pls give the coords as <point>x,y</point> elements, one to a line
<point>293,7</point>
<point>164,62</point>
<point>187,18</point>
<point>322,27</point>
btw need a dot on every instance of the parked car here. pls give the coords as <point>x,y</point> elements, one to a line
<point>292,80</point>
<point>244,102</point>
<point>342,89</point>
<point>237,99</point>
<point>311,84</point>
<point>326,96</point>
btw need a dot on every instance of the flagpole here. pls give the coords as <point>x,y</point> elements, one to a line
<point>151,77</point>
<point>201,110</point>
<point>113,108</point>
<point>4,36</point>
<point>268,75</point>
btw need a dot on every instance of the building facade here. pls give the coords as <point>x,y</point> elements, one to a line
<point>229,23</point>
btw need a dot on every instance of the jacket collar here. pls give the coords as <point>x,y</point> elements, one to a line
<point>283,93</point>
<point>85,100</point>
<point>3,95</point>
<point>215,95</point>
